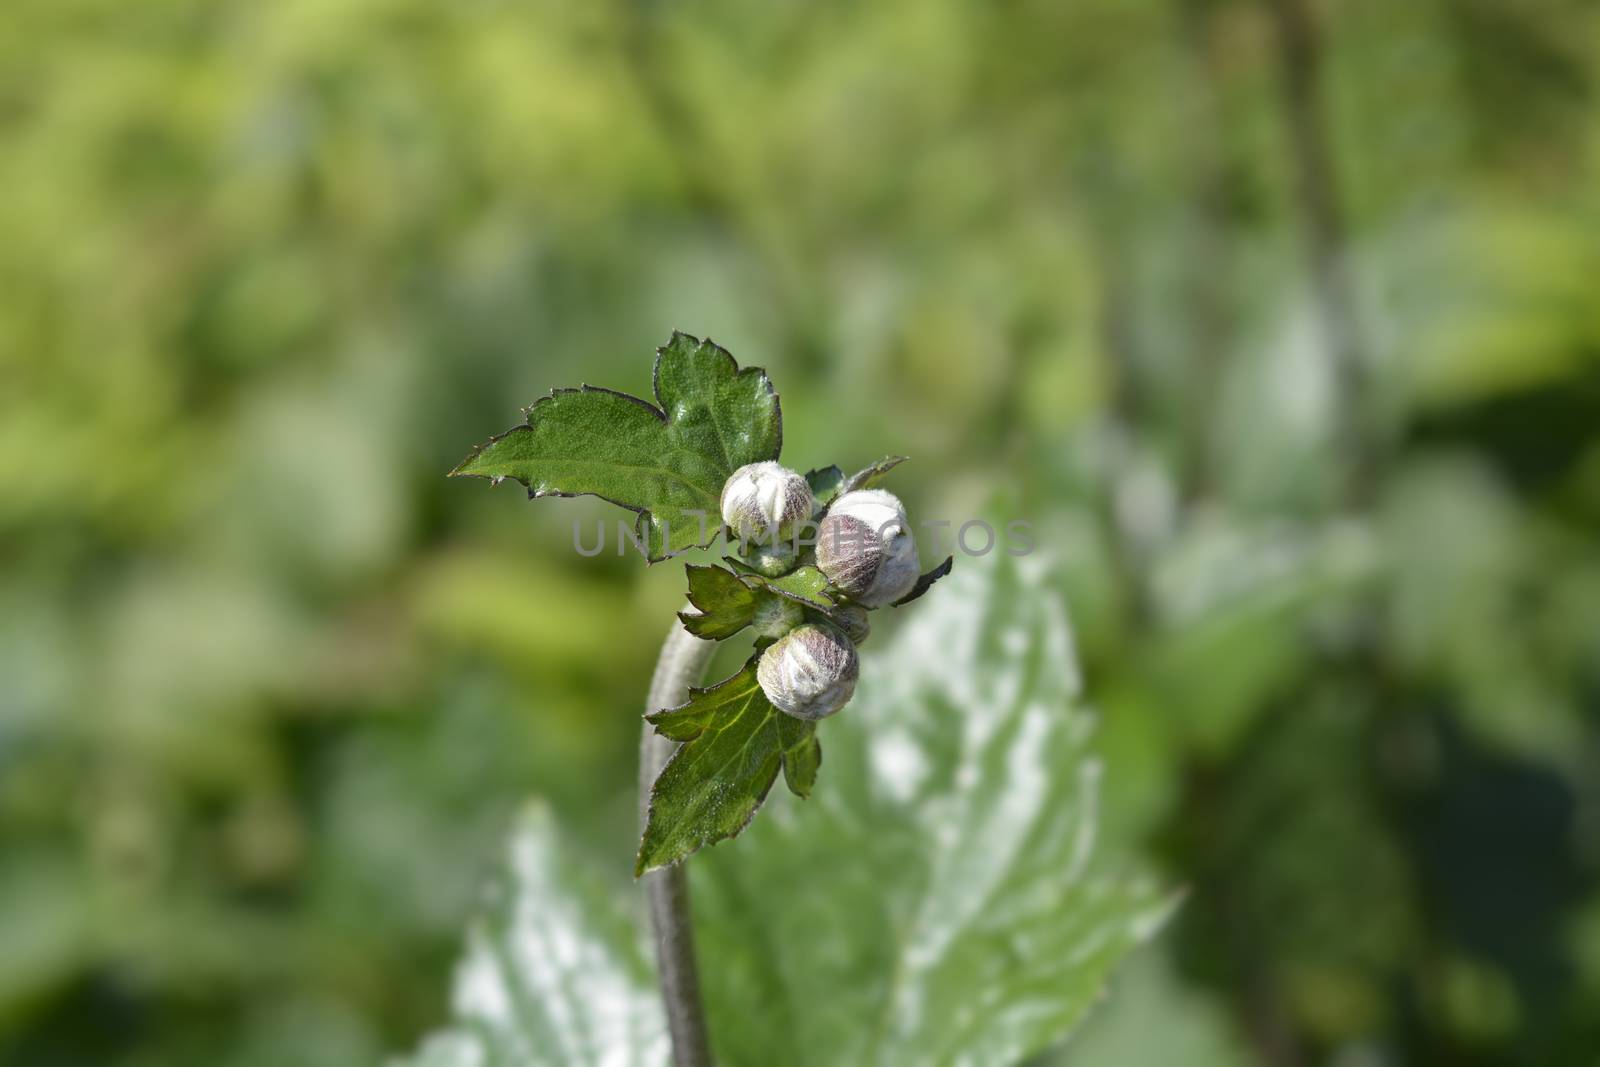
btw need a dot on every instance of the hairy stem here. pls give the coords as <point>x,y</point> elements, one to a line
<point>682,663</point>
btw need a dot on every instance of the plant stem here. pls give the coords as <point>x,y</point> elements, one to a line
<point>682,663</point>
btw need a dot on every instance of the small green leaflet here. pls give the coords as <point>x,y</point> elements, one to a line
<point>805,583</point>
<point>666,461</point>
<point>867,477</point>
<point>723,603</point>
<point>733,744</point>
<point>726,601</point>
<point>825,483</point>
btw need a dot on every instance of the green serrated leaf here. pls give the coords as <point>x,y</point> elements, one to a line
<point>867,477</point>
<point>925,582</point>
<point>940,902</point>
<point>666,461</point>
<point>724,604</point>
<point>825,483</point>
<point>734,742</point>
<point>553,975</point>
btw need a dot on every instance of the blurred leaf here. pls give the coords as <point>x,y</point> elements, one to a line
<point>666,462</point>
<point>553,972</point>
<point>935,902</point>
<point>733,743</point>
<point>1153,1020</point>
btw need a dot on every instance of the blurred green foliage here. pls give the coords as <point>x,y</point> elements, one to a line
<point>1276,317</point>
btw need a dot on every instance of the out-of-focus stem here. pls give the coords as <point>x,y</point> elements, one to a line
<point>682,663</point>
<point>1300,55</point>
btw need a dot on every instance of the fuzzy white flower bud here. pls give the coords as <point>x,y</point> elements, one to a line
<point>865,547</point>
<point>765,502</point>
<point>810,672</point>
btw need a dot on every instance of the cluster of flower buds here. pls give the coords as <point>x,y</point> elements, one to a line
<point>864,548</point>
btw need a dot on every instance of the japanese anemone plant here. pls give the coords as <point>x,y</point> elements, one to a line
<point>811,555</point>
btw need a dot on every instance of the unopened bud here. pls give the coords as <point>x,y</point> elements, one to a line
<point>865,547</point>
<point>810,672</point>
<point>765,502</point>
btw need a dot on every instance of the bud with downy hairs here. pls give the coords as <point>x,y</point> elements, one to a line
<point>865,547</point>
<point>810,672</point>
<point>765,502</point>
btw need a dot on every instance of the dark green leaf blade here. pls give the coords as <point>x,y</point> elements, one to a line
<point>553,974</point>
<point>713,407</point>
<point>724,604</point>
<point>666,463</point>
<point>718,778</point>
<point>707,706</point>
<point>805,584</point>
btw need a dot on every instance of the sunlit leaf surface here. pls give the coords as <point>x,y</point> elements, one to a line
<point>936,900</point>
<point>554,972</point>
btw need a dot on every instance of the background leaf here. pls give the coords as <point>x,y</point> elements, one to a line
<point>666,462</point>
<point>554,972</point>
<point>968,924</point>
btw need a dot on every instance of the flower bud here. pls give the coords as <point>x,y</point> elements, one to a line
<point>765,502</point>
<point>810,672</point>
<point>865,547</point>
